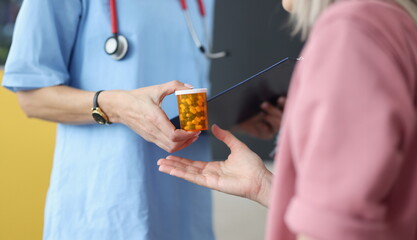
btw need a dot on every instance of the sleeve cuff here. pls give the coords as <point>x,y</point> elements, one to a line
<point>19,82</point>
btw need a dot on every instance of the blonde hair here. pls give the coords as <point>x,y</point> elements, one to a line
<point>305,13</point>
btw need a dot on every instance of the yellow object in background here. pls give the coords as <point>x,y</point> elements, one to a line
<point>26,152</point>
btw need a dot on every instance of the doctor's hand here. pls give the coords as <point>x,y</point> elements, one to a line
<point>267,123</point>
<point>242,174</point>
<point>140,110</point>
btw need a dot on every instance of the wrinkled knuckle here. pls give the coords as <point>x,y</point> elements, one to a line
<point>172,138</point>
<point>175,83</point>
<point>170,149</point>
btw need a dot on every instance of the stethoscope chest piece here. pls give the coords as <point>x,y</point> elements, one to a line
<point>117,48</point>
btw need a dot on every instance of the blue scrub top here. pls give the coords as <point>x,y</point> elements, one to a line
<point>105,183</point>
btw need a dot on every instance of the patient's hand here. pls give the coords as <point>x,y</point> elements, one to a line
<point>242,174</point>
<point>267,123</point>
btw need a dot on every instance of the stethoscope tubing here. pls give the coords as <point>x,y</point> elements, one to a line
<point>200,3</point>
<point>119,50</point>
<point>113,15</point>
<point>193,32</point>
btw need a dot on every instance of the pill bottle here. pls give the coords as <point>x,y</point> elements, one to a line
<point>192,109</point>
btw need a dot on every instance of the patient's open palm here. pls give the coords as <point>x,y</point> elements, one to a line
<point>242,174</point>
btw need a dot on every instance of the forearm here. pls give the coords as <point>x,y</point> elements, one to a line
<point>138,109</point>
<point>58,104</point>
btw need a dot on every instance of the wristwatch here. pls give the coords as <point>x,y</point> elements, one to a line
<point>98,114</point>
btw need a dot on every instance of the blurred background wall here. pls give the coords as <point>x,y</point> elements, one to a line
<point>8,12</point>
<point>26,150</point>
<point>254,32</point>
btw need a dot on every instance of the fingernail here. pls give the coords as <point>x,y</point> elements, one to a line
<point>188,85</point>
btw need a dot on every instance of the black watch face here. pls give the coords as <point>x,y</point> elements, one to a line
<point>100,119</point>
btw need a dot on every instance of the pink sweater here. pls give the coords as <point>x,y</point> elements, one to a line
<point>347,162</point>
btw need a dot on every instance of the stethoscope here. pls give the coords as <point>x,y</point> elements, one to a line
<point>117,45</point>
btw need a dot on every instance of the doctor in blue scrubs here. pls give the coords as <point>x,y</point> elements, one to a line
<point>105,183</point>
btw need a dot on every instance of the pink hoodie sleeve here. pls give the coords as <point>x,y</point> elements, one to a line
<point>350,116</point>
